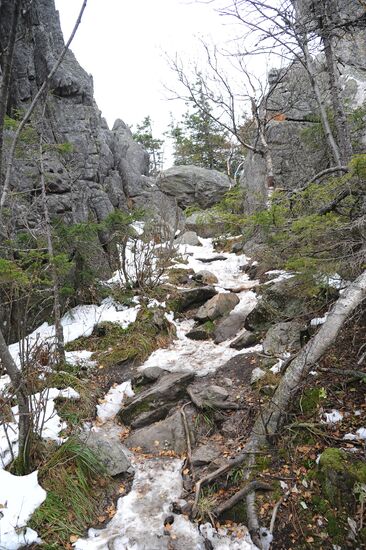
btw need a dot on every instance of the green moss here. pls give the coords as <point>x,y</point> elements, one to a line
<point>209,326</point>
<point>333,459</point>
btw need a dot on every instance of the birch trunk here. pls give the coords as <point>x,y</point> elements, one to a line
<point>269,422</point>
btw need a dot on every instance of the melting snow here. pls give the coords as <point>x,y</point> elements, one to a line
<point>139,521</point>
<point>332,417</point>
<point>112,401</point>
<point>80,321</point>
<point>48,425</point>
<point>20,496</point>
<point>227,271</point>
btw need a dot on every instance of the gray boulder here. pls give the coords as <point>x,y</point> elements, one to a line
<point>217,306</point>
<point>165,435</point>
<point>283,337</point>
<point>204,454</point>
<point>245,340</point>
<point>106,444</point>
<point>155,402</point>
<point>194,185</point>
<point>207,396</point>
<point>190,238</point>
<point>194,297</point>
<point>205,224</point>
<point>205,277</point>
<point>229,327</point>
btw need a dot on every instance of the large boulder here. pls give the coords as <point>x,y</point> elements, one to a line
<point>190,238</point>
<point>194,185</point>
<point>229,327</point>
<point>194,297</point>
<point>166,435</point>
<point>205,223</point>
<point>245,340</point>
<point>279,301</point>
<point>283,337</point>
<point>155,402</point>
<point>217,306</point>
<point>105,442</point>
<point>205,277</point>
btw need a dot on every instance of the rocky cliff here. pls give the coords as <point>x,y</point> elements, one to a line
<point>293,130</point>
<point>99,169</point>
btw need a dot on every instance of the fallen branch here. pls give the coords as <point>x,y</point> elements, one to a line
<point>237,497</point>
<point>188,438</point>
<point>359,374</point>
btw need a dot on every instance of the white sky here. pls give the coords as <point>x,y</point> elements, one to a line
<point>122,44</point>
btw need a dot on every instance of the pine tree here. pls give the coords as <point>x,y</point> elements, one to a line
<point>144,135</point>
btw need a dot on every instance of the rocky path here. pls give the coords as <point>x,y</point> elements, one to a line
<point>145,519</point>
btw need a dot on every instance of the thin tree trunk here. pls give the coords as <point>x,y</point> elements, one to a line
<point>340,118</point>
<point>59,333</point>
<point>28,114</point>
<point>25,421</point>
<point>6,78</point>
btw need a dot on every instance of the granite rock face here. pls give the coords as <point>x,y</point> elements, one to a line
<point>90,170</point>
<point>293,132</point>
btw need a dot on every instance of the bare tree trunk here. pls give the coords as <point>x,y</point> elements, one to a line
<point>28,114</point>
<point>341,123</point>
<point>25,421</point>
<point>331,142</point>
<point>267,424</point>
<point>5,82</point>
<point>59,333</point>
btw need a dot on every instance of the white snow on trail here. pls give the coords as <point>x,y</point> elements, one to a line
<point>113,400</point>
<point>199,356</point>
<point>227,271</point>
<point>20,496</point>
<point>139,521</point>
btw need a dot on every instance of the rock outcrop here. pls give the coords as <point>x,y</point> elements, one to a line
<point>193,185</point>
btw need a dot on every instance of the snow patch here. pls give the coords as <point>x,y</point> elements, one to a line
<point>333,417</point>
<point>139,521</point>
<point>20,496</point>
<point>113,400</point>
<point>48,425</point>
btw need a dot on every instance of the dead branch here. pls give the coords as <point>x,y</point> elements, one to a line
<point>237,497</point>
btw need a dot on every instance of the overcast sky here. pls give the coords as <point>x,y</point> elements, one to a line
<point>122,43</point>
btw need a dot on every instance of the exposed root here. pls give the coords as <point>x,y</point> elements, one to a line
<point>237,497</point>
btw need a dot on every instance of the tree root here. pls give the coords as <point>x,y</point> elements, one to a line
<point>237,497</point>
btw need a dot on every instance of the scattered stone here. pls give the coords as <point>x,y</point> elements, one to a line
<point>217,306</point>
<point>237,247</point>
<point>205,454</point>
<point>245,340</point>
<point>106,444</point>
<point>165,435</point>
<point>189,238</point>
<point>283,337</point>
<point>251,269</point>
<point>199,334</point>
<point>194,297</point>
<point>257,374</point>
<point>154,403</point>
<point>153,373</point>
<point>205,277</point>
<point>207,396</point>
